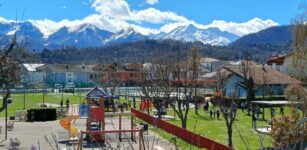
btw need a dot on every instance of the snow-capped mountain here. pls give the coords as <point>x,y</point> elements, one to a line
<point>85,35</point>
<point>28,34</point>
<point>125,35</point>
<point>212,36</point>
<point>88,35</point>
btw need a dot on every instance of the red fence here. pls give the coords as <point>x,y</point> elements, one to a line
<point>184,134</point>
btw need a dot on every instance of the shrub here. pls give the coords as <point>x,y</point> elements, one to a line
<point>41,114</point>
<point>285,131</point>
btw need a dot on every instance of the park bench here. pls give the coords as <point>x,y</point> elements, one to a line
<point>267,126</point>
<point>162,113</point>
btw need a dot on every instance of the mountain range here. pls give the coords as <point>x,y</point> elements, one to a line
<point>88,35</point>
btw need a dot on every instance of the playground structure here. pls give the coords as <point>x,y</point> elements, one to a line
<point>93,110</point>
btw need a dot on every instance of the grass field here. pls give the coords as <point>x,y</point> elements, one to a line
<point>33,101</point>
<point>201,124</point>
<point>216,129</point>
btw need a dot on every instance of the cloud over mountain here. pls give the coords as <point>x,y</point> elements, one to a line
<point>115,15</point>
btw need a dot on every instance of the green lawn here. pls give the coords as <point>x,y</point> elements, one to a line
<point>216,129</point>
<point>33,100</point>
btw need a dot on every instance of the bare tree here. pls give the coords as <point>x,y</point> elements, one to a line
<point>246,70</point>
<point>11,58</point>
<point>172,80</point>
<point>186,75</point>
<point>111,81</point>
<point>155,82</point>
<point>298,62</point>
<point>227,106</point>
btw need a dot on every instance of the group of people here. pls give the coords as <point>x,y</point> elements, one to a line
<point>213,112</point>
<point>67,103</point>
<point>216,112</point>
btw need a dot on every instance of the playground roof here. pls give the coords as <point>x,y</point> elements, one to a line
<point>97,93</point>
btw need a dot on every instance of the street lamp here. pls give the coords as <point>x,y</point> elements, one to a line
<point>5,101</point>
<point>24,96</point>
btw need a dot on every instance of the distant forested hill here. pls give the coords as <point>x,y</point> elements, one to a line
<point>278,35</point>
<point>144,51</point>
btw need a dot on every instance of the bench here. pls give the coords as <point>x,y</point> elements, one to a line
<point>267,126</point>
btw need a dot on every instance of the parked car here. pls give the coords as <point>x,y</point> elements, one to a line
<point>19,86</point>
<point>58,86</point>
<point>69,88</point>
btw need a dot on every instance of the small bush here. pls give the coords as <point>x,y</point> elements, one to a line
<point>41,114</point>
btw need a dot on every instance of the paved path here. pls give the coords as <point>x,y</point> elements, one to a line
<point>33,133</point>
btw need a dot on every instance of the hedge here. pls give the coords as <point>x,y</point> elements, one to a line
<point>41,114</point>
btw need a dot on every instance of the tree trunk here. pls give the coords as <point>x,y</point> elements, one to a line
<point>229,135</point>
<point>113,104</point>
<point>183,123</point>
<point>4,99</point>
<point>196,108</point>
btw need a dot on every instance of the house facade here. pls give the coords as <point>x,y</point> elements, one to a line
<point>209,65</point>
<point>68,73</point>
<point>267,80</point>
<point>31,73</point>
<point>128,73</point>
<point>284,63</point>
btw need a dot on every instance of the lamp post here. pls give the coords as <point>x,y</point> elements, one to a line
<point>5,101</point>
<point>24,96</point>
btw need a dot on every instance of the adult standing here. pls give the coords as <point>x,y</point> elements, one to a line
<point>67,104</point>
<point>134,103</point>
<point>254,119</point>
<point>218,114</point>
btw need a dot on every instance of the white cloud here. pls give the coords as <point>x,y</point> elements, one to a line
<point>151,2</point>
<point>64,7</point>
<point>251,26</point>
<point>112,8</point>
<point>153,15</point>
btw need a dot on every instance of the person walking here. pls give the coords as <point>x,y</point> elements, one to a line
<point>218,114</point>
<point>254,119</point>
<point>61,104</point>
<point>281,110</point>
<point>134,103</point>
<point>67,103</point>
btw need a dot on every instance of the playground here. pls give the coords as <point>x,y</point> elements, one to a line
<point>37,133</point>
<point>86,126</point>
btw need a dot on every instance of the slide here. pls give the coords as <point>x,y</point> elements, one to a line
<point>65,123</point>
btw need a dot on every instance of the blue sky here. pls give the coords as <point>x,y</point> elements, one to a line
<point>200,12</point>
